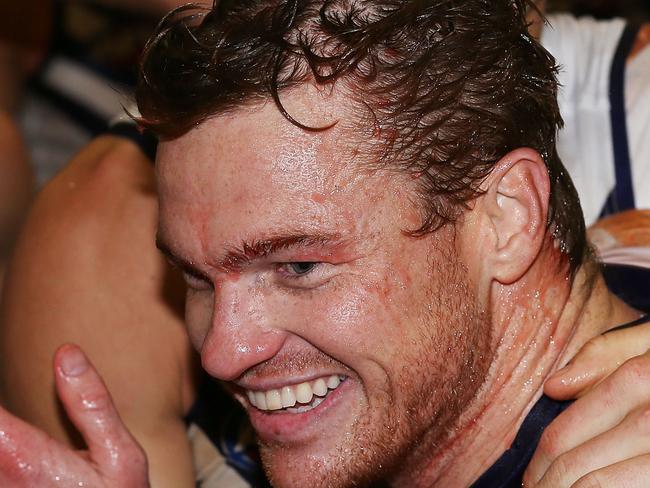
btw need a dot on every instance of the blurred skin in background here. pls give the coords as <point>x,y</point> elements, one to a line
<point>535,19</point>
<point>16,183</point>
<point>20,50</point>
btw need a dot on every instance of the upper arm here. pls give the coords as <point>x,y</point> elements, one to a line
<point>86,270</point>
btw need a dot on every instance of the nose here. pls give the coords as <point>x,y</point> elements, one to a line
<point>240,335</point>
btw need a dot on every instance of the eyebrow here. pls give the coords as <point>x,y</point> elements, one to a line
<point>238,257</point>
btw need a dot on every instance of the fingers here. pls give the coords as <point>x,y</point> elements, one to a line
<point>90,408</point>
<point>29,457</point>
<point>595,413</point>
<point>20,449</point>
<point>629,440</point>
<point>633,473</point>
<point>596,360</point>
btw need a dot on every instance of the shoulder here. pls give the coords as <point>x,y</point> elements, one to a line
<point>106,193</point>
<point>86,270</point>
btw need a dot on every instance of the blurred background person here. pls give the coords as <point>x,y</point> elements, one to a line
<point>85,72</point>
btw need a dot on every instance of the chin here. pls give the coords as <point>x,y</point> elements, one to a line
<point>355,450</point>
<point>334,469</point>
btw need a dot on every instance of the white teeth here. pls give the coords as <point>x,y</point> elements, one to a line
<point>333,381</point>
<point>320,387</point>
<point>288,397</point>
<point>308,394</point>
<point>260,400</point>
<point>304,393</point>
<point>273,400</point>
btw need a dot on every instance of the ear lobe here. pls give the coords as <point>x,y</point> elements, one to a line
<point>516,204</point>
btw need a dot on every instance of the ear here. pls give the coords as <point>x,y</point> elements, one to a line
<point>515,206</point>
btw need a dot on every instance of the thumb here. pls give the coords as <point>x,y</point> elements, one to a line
<point>88,403</point>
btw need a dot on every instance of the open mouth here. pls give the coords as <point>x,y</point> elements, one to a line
<point>298,398</point>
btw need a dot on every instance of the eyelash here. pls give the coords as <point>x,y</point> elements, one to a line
<point>297,276</point>
<point>195,280</point>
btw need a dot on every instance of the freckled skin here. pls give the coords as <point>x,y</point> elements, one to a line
<point>386,310</point>
<point>443,343</point>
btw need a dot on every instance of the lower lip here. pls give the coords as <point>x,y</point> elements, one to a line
<point>282,426</point>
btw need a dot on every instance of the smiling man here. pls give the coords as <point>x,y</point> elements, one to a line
<point>308,298</point>
<point>384,255</point>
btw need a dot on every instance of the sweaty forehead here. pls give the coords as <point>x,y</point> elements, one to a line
<point>254,148</point>
<point>252,172</point>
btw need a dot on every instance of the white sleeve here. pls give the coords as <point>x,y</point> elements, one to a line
<point>584,48</point>
<point>637,106</point>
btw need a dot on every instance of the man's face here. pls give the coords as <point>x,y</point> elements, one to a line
<point>304,290</point>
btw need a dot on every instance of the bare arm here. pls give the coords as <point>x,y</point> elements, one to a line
<point>86,271</point>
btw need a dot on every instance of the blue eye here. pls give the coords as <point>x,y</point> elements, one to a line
<point>300,268</point>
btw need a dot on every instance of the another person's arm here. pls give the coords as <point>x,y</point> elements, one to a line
<point>601,439</point>
<point>86,271</point>
<point>603,436</point>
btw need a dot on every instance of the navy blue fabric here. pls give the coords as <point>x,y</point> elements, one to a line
<point>622,196</point>
<point>630,283</point>
<point>62,45</point>
<point>509,468</point>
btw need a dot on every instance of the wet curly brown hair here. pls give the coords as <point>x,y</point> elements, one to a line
<point>452,85</point>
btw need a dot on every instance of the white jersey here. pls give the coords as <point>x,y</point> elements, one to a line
<point>585,49</point>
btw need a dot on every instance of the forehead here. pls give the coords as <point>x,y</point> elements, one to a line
<point>253,151</point>
<point>253,172</point>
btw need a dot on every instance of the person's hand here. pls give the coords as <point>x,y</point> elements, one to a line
<point>603,439</point>
<point>29,457</point>
<point>597,359</point>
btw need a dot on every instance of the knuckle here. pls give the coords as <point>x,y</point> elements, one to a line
<point>642,421</point>
<point>132,466</point>
<point>596,346</point>
<point>550,444</point>
<point>560,470</point>
<point>95,400</point>
<point>635,371</point>
<point>15,468</point>
<point>592,480</point>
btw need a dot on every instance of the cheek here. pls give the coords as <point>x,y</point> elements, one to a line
<point>359,320</point>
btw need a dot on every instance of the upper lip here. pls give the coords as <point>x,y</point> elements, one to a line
<point>259,384</point>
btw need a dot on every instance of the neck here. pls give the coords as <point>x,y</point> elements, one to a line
<point>539,324</point>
